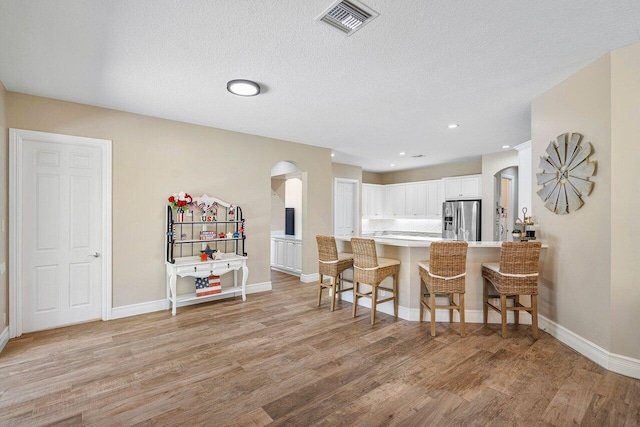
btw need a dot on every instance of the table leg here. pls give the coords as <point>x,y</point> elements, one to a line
<point>173,298</point>
<point>245,273</point>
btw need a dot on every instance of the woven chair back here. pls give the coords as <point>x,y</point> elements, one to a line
<point>327,250</point>
<point>364,252</point>
<point>519,257</point>
<point>448,259</point>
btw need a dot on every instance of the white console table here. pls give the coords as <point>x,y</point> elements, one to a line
<point>193,267</point>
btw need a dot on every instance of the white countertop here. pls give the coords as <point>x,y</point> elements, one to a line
<point>282,236</point>
<point>422,242</point>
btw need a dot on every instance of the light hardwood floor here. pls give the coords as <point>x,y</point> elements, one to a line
<point>277,359</point>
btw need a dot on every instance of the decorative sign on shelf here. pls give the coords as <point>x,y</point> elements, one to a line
<point>565,173</point>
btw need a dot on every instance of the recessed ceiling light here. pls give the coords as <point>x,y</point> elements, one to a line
<point>506,146</point>
<point>333,154</point>
<point>243,87</point>
<point>402,153</point>
<point>453,125</point>
<point>392,164</point>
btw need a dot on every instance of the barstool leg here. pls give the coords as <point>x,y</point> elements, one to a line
<point>320,290</point>
<point>395,295</point>
<point>422,292</point>
<point>461,298</point>
<point>516,313</point>
<point>334,288</point>
<point>433,313</point>
<point>355,297</point>
<point>451,301</point>
<point>374,303</point>
<point>503,313</point>
<point>534,315</point>
<point>485,300</point>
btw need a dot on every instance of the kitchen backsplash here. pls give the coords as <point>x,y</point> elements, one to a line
<point>417,225</point>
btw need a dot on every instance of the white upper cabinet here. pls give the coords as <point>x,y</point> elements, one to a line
<point>416,196</point>
<point>463,187</point>
<point>395,200</point>
<point>418,200</point>
<point>435,198</point>
<point>373,201</point>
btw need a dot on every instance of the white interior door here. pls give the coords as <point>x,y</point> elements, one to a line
<point>345,208</point>
<point>62,215</point>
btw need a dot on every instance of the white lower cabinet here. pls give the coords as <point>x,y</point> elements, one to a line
<point>286,255</point>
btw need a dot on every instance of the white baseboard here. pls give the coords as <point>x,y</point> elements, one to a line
<point>284,270</point>
<point>4,338</point>
<point>624,365</point>
<point>140,308</point>
<point>614,362</point>
<point>254,288</point>
<point>163,304</point>
<point>581,345</point>
<point>309,278</point>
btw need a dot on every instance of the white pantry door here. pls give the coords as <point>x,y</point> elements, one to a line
<point>345,208</point>
<point>62,218</point>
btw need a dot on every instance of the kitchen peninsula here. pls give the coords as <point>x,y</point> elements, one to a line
<point>410,250</point>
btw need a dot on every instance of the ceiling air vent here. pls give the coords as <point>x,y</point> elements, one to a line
<point>417,156</point>
<point>347,16</point>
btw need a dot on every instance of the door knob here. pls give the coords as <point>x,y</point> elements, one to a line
<point>95,255</point>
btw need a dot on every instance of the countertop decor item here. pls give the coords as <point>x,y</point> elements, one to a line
<point>565,173</point>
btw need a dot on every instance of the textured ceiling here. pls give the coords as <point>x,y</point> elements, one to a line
<point>393,86</point>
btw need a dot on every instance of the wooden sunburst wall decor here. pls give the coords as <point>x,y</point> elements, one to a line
<point>565,173</point>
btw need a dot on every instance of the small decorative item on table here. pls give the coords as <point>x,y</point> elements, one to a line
<point>207,235</point>
<point>515,233</point>
<point>208,252</point>
<point>180,201</point>
<point>206,286</point>
<point>203,257</point>
<point>529,224</point>
<point>229,235</point>
<point>232,213</point>
<point>222,235</point>
<point>236,235</point>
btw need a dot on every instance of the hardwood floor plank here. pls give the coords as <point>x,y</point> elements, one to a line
<point>278,359</point>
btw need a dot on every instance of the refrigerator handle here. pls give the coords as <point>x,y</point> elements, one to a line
<point>456,226</point>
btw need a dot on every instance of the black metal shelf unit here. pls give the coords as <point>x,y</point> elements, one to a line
<point>182,241</point>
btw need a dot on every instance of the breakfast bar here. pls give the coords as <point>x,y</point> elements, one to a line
<point>410,250</point>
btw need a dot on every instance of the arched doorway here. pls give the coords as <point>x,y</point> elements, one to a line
<point>287,213</point>
<point>505,202</point>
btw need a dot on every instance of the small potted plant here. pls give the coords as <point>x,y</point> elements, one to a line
<point>516,234</point>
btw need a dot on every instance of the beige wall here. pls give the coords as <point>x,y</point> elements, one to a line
<point>575,281</point>
<point>340,170</point>
<point>625,203</point>
<point>277,204</point>
<point>471,167</point>
<point>371,178</point>
<point>492,164</point>
<point>4,211</point>
<point>153,158</point>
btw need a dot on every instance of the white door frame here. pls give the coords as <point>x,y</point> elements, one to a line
<point>15,219</point>
<point>356,203</point>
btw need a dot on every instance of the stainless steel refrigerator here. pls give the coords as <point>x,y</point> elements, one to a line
<point>461,220</point>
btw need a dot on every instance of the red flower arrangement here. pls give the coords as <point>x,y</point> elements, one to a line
<point>180,200</point>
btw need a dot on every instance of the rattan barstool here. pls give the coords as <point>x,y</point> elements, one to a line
<point>332,264</point>
<point>515,275</point>
<point>444,274</point>
<point>370,270</point>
